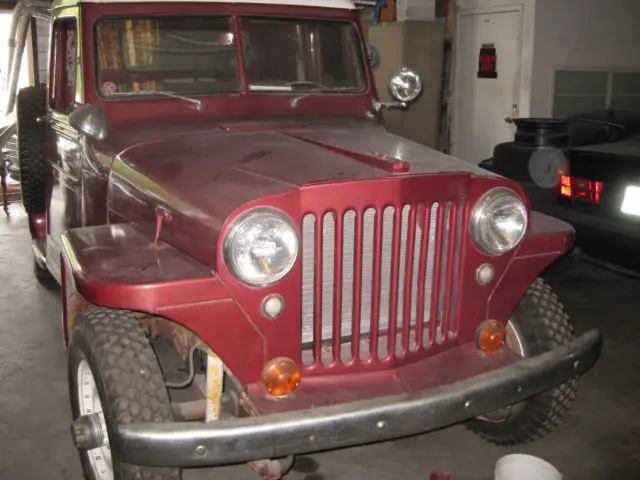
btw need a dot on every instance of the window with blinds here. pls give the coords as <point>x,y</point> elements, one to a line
<point>580,91</point>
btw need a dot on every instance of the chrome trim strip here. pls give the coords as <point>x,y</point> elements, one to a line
<point>62,172</point>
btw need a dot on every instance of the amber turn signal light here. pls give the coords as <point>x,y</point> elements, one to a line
<point>281,376</point>
<point>491,336</point>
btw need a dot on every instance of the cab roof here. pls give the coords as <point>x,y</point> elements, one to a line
<point>342,4</point>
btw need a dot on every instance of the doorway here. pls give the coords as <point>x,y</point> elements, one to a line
<point>488,60</point>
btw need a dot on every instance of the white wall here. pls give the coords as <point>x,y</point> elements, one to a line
<point>528,23</point>
<point>581,33</point>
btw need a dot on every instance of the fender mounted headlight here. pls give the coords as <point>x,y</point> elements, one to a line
<point>261,246</point>
<point>498,221</point>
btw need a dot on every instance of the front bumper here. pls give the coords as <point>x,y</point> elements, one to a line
<point>355,423</point>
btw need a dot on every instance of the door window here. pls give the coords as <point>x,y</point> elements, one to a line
<point>63,66</point>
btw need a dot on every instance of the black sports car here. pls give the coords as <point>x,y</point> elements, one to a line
<point>584,170</point>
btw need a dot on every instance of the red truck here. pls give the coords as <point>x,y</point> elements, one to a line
<point>211,182</point>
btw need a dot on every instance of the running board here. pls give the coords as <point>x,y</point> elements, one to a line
<point>39,257</point>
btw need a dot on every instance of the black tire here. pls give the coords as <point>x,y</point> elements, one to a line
<point>31,143</point>
<point>128,379</point>
<point>43,275</point>
<point>543,325</point>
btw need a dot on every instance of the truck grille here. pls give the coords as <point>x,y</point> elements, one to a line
<point>377,283</point>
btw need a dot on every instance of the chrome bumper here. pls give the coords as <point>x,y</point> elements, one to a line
<point>356,423</point>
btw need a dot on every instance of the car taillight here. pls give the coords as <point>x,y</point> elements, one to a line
<point>565,186</point>
<point>581,189</point>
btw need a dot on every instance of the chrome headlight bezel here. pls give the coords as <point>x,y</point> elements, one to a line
<point>485,207</point>
<point>236,228</point>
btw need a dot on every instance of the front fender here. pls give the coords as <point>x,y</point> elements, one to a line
<point>548,239</point>
<point>116,266</point>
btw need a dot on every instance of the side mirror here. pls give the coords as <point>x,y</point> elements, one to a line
<point>373,55</point>
<point>89,120</point>
<point>405,85</point>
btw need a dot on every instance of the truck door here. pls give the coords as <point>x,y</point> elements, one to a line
<point>63,148</point>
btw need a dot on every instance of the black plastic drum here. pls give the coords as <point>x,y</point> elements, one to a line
<point>536,158</point>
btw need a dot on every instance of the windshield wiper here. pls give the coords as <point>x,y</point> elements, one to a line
<point>313,88</point>
<point>295,100</point>
<point>295,86</point>
<point>149,93</point>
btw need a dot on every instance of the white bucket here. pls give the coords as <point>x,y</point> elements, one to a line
<point>525,467</point>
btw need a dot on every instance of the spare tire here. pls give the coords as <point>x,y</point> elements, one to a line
<point>31,142</point>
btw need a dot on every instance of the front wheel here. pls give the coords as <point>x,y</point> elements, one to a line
<point>538,325</point>
<point>43,275</point>
<point>114,379</point>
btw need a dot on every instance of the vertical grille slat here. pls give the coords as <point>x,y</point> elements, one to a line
<point>422,274</point>
<point>368,230</point>
<point>459,222</point>
<point>409,283</point>
<point>328,253</point>
<point>375,290</point>
<point>433,286</point>
<point>317,292</point>
<point>337,288</point>
<point>357,287</point>
<point>308,284</point>
<point>348,259</point>
<point>396,242</point>
<point>377,282</point>
<point>448,254</point>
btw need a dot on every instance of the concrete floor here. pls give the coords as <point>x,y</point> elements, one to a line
<point>600,439</point>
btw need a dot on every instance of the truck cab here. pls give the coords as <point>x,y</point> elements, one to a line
<point>211,185</point>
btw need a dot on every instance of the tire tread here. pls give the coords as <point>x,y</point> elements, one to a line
<point>545,328</point>
<point>131,376</point>
<point>31,155</point>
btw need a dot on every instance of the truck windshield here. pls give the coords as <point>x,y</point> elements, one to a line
<point>185,55</point>
<point>197,55</point>
<point>300,55</point>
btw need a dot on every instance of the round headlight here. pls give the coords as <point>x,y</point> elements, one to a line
<point>261,246</point>
<point>498,221</point>
<point>405,85</point>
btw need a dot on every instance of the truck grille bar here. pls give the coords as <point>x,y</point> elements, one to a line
<point>377,283</point>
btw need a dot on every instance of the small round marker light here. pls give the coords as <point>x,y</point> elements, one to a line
<point>485,273</point>
<point>281,376</point>
<point>491,336</point>
<point>272,306</point>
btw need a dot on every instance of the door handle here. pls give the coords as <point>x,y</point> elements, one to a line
<point>514,114</point>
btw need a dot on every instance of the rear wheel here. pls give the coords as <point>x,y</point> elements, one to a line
<point>114,379</point>
<point>538,325</point>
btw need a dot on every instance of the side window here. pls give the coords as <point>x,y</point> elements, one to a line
<point>63,66</point>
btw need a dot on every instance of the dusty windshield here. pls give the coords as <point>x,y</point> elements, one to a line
<point>198,56</point>
<point>302,55</point>
<point>186,55</point>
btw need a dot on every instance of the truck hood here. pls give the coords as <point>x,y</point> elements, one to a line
<point>203,176</point>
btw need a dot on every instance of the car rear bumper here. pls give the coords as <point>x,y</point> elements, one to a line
<point>356,423</point>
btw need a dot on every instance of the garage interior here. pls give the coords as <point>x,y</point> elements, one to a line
<point>568,55</point>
